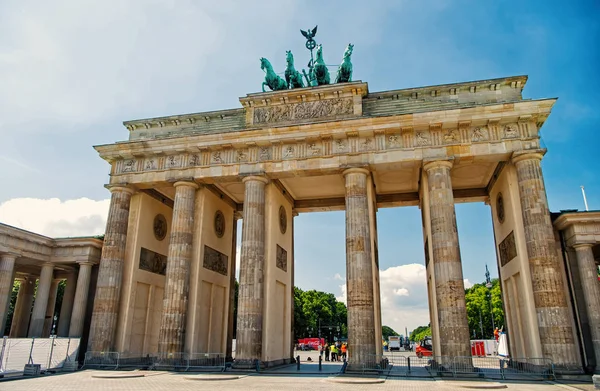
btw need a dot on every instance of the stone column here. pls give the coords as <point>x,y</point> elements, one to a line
<point>359,270</point>
<point>447,267</point>
<point>171,337</point>
<point>49,318</point>
<point>81,299</point>
<point>231,315</point>
<point>553,315</point>
<point>20,322</point>
<point>66,309</point>
<point>252,259</point>
<point>36,326</point>
<point>591,293</point>
<point>110,274</point>
<point>292,272</point>
<point>7,277</point>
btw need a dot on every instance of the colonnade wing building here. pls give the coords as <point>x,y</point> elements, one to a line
<point>165,284</point>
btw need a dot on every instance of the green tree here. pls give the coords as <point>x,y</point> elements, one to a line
<point>11,306</point>
<point>314,309</point>
<point>386,331</point>
<point>481,303</point>
<point>419,333</point>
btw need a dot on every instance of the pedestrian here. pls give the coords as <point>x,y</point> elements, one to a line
<point>343,352</point>
<point>326,348</point>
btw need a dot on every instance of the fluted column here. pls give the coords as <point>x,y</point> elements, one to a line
<point>49,318</point>
<point>447,266</point>
<point>7,277</point>
<point>588,272</point>
<point>80,300</point>
<point>553,315</point>
<point>110,274</point>
<point>232,273</point>
<point>359,269</point>
<point>36,326</point>
<point>20,321</point>
<point>252,259</point>
<point>66,309</point>
<point>177,284</point>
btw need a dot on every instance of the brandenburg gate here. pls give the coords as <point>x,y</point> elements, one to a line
<point>180,183</point>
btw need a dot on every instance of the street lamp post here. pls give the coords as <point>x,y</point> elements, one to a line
<point>488,284</point>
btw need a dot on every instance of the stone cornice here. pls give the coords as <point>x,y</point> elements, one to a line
<point>176,120</point>
<point>566,219</point>
<point>482,115</point>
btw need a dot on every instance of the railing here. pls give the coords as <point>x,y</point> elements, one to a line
<point>493,367</point>
<point>170,361</point>
<point>50,353</point>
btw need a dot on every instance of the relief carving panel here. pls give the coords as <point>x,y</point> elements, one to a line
<point>153,262</point>
<point>507,249</point>
<point>303,110</point>
<point>281,258</point>
<point>215,260</point>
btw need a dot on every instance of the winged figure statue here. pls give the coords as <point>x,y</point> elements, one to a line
<point>310,33</point>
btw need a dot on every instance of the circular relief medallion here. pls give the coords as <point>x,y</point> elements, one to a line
<point>160,227</point>
<point>282,219</point>
<point>219,224</point>
<point>500,208</point>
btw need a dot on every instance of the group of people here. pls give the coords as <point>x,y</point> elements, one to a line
<point>335,352</point>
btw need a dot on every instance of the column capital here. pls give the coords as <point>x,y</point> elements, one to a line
<point>583,245</point>
<point>534,154</point>
<point>428,165</point>
<point>86,263</point>
<point>356,170</point>
<point>257,178</point>
<point>120,188</point>
<point>12,256</point>
<point>186,182</point>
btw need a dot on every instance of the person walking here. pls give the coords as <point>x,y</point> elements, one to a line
<point>326,348</point>
<point>343,352</point>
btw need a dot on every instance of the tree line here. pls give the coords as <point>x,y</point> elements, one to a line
<point>482,303</point>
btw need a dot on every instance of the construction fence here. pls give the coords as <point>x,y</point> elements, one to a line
<point>491,367</point>
<point>49,353</point>
<point>184,362</point>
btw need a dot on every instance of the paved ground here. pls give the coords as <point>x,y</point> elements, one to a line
<point>85,380</point>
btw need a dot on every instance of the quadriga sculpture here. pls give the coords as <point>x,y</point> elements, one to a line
<point>344,73</point>
<point>274,82</point>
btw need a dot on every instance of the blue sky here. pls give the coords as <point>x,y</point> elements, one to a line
<point>72,71</point>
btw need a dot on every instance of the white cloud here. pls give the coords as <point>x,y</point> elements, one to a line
<point>56,218</point>
<point>338,277</point>
<point>468,284</point>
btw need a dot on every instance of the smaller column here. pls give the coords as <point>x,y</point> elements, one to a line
<point>81,299</point>
<point>66,309</point>
<point>7,277</point>
<point>591,293</point>
<point>38,314</point>
<point>20,321</point>
<point>49,319</point>
<point>447,266</point>
<point>171,337</point>
<point>232,303</point>
<point>359,270</point>
<point>249,338</point>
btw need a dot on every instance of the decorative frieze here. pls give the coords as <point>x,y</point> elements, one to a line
<point>507,249</point>
<point>350,143</point>
<point>215,260</point>
<point>303,111</point>
<point>153,262</point>
<point>281,259</point>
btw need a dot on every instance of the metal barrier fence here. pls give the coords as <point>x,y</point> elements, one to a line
<point>171,361</point>
<point>50,353</point>
<point>492,367</point>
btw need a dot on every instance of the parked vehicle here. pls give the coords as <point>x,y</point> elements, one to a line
<point>424,348</point>
<point>394,343</point>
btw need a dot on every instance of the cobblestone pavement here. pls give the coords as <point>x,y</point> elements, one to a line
<point>83,380</point>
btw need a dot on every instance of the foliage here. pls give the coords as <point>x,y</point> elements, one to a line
<point>479,308</point>
<point>11,306</point>
<point>314,309</point>
<point>478,312</point>
<point>386,331</point>
<point>419,333</point>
